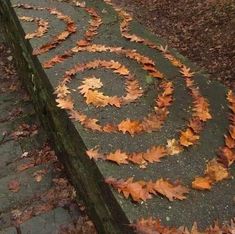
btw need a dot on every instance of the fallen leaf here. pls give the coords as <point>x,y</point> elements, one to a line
<point>25,166</point>
<point>173,147</point>
<point>143,190</point>
<point>170,190</point>
<point>38,175</point>
<point>154,154</point>
<point>94,153</point>
<point>130,126</point>
<point>14,186</point>
<point>186,71</point>
<point>65,103</point>
<point>202,183</point>
<point>118,157</point>
<point>216,171</point>
<point>188,138</point>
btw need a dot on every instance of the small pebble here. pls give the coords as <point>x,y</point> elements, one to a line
<point>9,58</point>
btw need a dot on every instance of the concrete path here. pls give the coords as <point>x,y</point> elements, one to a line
<point>141,131</point>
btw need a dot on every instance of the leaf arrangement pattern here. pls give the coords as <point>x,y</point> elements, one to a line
<point>90,90</point>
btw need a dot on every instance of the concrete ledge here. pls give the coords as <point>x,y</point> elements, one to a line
<point>153,69</point>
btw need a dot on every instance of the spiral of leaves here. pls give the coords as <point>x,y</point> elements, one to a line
<point>216,170</point>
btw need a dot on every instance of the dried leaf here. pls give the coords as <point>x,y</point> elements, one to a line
<point>202,183</point>
<point>118,157</point>
<point>154,154</point>
<point>216,171</point>
<point>142,190</point>
<point>186,72</point>
<point>65,103</point>
<point>188,138</point>
<point>25,166</point>
<point>94,153</point>
<point>14,186</point>
<point>38,175</point>
<point>130,126</point>
<point>171,191</point>
<point>173,147</point>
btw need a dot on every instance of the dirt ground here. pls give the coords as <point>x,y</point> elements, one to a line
<point>203,31</point>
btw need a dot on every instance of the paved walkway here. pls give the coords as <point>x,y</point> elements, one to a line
<point>35,196</point>
<point>144,132</point>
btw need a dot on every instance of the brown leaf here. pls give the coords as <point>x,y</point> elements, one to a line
<point>137,158</point>
<point>170,190</point>
<point>142,190</point>
<point>133,91</point>
<point>154,154</point>
<point>94,153</point>
<point>202,183</point>
<point>195,124</point>
<point>122,71</point>
<point>130,126</point>
<point>129,188</point>
<point>154,226</point>
<point>90,83</point>
<point>96,98</point>
<point>201,108</point>
<point>25,166</point>
<point>62,91</point>
<point>230,142</point>
<point>118,157</point>
<point>186,72</point>
<point>154,121</point>
<point>173,147</point>
<point>41,30</point>
<point>188,138</point>
<point>232,131</point>
<point>216,171</point>
<point>110,128</point>
<point>227,156</point>
<point>163,101</point>
<point>92,124</point>
<point>14,186</point>
<point>38,175</point>
<point>65,103</point>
